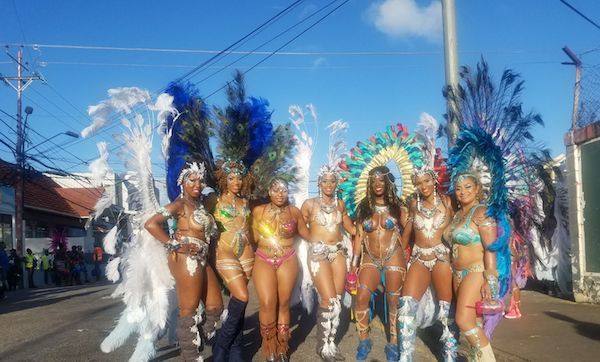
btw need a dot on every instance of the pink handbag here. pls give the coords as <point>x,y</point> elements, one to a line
<point>489,306</point>
<point>351,283</point>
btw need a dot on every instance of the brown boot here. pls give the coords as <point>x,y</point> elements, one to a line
<point>283,337</point>
<point>268,333</point>
<point>189,338</point>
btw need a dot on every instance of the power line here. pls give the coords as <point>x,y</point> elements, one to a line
<point>247,36</point>
<point>191,73</point>
<point>267,42</point>
<point>288,42</point>
<point>19,21</point>
<point>255,31</point>
<point>580,14</point>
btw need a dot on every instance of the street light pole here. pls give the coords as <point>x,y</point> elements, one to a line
<point>451,66</point>
<point>22,82</point>
<point>19,190</point>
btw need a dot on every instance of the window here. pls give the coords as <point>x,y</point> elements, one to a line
<point>41,231</point>
<point>6,235</point>
<point>75,232</point>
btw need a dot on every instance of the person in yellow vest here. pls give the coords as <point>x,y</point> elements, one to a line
<point>30,265</point>
<point>46,265</point>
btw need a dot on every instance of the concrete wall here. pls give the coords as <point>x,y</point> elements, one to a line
<point>586,284</point>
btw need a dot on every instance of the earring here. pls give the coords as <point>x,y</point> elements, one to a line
<point>181,191</point>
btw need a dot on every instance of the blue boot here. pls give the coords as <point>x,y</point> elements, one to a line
<point>363,349</point>
<point>230,331</point>
<point>391,352</point>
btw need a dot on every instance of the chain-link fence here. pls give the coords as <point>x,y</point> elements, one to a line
<point>589,96</point>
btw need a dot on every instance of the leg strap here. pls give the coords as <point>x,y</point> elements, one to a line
<point>362,321</point>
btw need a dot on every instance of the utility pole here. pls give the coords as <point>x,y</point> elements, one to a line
<point>577,63</point>
<point>451,66</point>
<point>22,82</point>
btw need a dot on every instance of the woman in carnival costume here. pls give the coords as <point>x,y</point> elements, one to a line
<point>472,233</point>
<point>372,199</point>
<point>235,257</point>
<point>188,138</point>
<point>188,253</point>
<point>152,261</point>
<point>244,134</point>
<point>430,212</point>
<point>275,227</point>
<point>327,256</point>
<point>378,247</point>
<point>492,181</point>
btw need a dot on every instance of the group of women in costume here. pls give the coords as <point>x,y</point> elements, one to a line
<point>448,250</point>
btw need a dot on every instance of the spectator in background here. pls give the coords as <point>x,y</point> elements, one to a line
<point>14,270</point>
<point>97,258</point>
<point>3,269</point>
<point>73,264</point>
<point>82,266</point>
<point>61,270</point>
<point>30,265</point>
<point>46,264</point>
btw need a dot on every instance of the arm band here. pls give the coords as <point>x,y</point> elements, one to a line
<point>164,212</point>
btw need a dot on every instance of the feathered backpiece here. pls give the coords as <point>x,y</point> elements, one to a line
<point>392,145</point>
<point>304,151</point>
<point>277,160</point>
<point>337,147</point>
<point>427,134</point>
<point>58,241</point>
<point>186,135</point>
<point>140,264</point>
<point>493,144</point>
<point>245,131</point>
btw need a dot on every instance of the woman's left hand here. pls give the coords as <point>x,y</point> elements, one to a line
<point>486,292</point>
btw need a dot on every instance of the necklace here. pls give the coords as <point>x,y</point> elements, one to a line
<point>380,209</point>
<point>427,212</point>
<point>328,209</point>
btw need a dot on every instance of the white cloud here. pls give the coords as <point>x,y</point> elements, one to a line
<point>405,18</point>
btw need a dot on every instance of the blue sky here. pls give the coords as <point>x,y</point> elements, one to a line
<point>371,63</point>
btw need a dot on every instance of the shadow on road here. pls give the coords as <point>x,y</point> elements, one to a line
<point>39,299</point>
<point>8,354</point>
<point>586,329</point>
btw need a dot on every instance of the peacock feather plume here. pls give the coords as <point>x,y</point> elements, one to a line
<point>495,142</point>
<point>190,134</point>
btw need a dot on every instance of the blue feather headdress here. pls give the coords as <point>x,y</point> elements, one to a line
<point>189,135</point>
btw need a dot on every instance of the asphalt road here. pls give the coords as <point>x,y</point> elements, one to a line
<point>68,324</point>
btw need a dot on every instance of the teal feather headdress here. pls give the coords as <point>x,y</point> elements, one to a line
<point>395,145</point>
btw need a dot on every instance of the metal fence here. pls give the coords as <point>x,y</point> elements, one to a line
<point>589,97</point>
